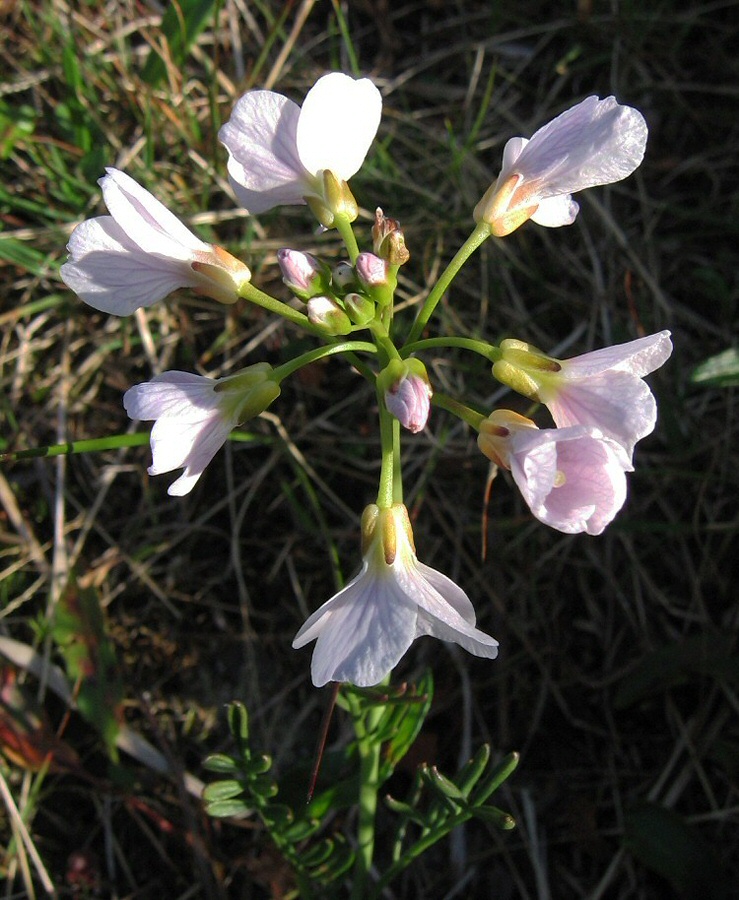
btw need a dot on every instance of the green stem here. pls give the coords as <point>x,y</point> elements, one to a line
<point>259,298</point>
<point>470,416</point>
<point>369,775</point>
<point>344,227</point>
<point>305,359</point>
<point>385,491</point>
<point>397,470</point>
<point>93,445</point>
<point>489,351</point>
<point>478,236</point>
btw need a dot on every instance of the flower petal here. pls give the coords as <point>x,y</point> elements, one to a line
<point>553,212</point>
<point>113,274</point>
<point>364,632</point>
<point>146,222</point>
<point>595,142</point>
<point>338,122</point>
<point>639,357</point>
<point>264,166</point>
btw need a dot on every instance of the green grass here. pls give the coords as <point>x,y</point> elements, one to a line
<point>618,674</point>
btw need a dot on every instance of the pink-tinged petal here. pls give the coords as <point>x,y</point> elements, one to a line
<point>573,479</point>
<point>618,404</point>
<point>146,222</point>
<point>338,122</point>
<point>113,274</point>
<point>554,212</point>
<point>639,357</point>
<point>595,142</point>
<point>179,395</point>
<point>264,166</point>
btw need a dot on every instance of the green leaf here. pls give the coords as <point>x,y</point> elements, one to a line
<point>495,816</point>
<point>318,854</point>
<point>226,809</point>
<point>238,722</point>
<point>491,782</point>
<point>667,845</point>
<point>182,22</point>
<point>219,762</point>
<point>443,785</point>
<point>79,631</point>
<point>721,370</point>
<point>222,790</point>
<point>405,810</point>
<point>416,709</point>
<point>300,830</point>
<point>472,771</point>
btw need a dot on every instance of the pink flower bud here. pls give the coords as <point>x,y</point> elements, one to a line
<point>409,400</point>
<point>302,273</point>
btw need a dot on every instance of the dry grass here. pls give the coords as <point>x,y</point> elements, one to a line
<point>617,679</point>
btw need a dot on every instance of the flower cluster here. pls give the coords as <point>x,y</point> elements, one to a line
<point>572,476</point>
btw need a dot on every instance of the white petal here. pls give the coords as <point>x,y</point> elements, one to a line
<point>146,221</point>
<point>180,395</point>
<point>264,167</point>
<point>553,212</point>
<point>338,122</point>
<point>364,634</point>
<point>113,274</point>
<point>595,142</point>
<point>639,357</point>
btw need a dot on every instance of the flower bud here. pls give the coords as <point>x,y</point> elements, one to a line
<point>342,277</point>
<point>360,309</point>
<point>374,274</point>
<point>328,315</point>
<point>388,241</point>
<point>305,275</point>
<point>407,392</point>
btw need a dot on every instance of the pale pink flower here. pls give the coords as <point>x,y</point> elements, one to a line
<point>195,415</point>
<point>141,252</point>
<point>278,150</point>
<point>595,142</point>
<point>363,631</point>
<point>604,388</point>
<point>573,479</point>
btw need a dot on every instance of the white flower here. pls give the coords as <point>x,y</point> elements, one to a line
<point>364,630</point>
<point>141,252</point>
<point>195,415</point>
<point>595,142</point>
<point>604,389</point>
<point>278,150</point>
<point>573,479</point>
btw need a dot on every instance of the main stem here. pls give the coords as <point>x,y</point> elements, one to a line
<point>369,772</point>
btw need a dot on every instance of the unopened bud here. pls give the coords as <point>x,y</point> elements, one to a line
<point>305,275</point>
<point>342,277</point>
<point>374,274</point>
<point>407,392</point>
<point>360,309</point>
<point>328,315</point>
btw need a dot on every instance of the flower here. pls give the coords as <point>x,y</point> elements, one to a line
<point>141,252</point>
<point>604,389</point>
<point>195,415</point>
<point>594,142</point>
<point>571,478</point>
<point>362,632</point>
<point>278,151</point>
